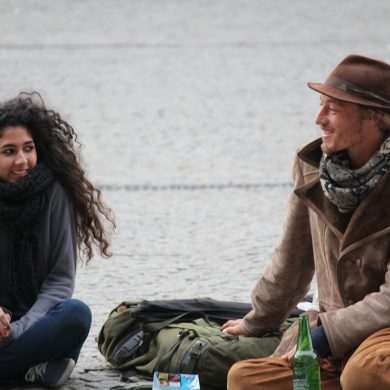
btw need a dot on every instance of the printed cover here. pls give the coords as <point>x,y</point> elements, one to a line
<point>169,381</point>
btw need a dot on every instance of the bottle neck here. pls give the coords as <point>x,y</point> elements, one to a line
<point>304,342</point>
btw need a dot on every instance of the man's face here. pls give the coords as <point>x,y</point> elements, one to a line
<point>342,126</point>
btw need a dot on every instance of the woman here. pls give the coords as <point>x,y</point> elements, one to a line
<point>48,210</point>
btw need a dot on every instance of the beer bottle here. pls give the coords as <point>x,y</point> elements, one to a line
<point>306,367</point>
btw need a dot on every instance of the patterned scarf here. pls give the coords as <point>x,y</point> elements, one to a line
<point>346,187</point>
<point>21,207</point>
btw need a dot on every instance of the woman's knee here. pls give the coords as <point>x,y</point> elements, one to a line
<point>76,315</point>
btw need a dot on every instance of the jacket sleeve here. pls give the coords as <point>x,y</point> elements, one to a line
<point>59,282</point>
<point>287,278</point>
<point>348,327</point>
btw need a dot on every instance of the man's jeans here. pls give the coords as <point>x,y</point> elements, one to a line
<point>59,334</point>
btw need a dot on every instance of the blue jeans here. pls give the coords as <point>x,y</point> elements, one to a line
<point>59,334</point>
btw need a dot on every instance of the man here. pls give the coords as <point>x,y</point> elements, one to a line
<point>338,225</point>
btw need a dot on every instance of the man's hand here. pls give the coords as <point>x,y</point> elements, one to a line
<point>233,327</point>
<point>5,324</point>
<point>288,357</point>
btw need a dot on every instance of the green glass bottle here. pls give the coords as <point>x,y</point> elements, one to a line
<point>306,367</point>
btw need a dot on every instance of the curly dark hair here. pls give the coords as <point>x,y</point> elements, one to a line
<point>57,147</point>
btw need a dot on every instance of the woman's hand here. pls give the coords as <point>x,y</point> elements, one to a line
<point>5,324</point>
<point>233,327</point>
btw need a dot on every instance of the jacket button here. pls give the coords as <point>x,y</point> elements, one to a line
<point>358,262</point>
<point>348,264</point>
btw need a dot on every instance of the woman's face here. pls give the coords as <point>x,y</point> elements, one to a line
<point>17,153</point>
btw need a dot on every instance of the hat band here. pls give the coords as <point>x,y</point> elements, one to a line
<point>354,90</point>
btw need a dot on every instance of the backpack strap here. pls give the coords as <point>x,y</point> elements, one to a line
<point>165,360</point>
<point>193,356</point>
<point>154,327</point>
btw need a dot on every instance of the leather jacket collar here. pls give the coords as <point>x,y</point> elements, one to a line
<point>371,219</point>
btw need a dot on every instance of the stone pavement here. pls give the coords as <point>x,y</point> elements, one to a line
<point>189,113</point>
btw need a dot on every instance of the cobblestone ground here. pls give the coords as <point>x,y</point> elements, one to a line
<point>190,112</point>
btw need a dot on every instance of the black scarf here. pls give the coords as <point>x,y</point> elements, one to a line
<point>21,206</point>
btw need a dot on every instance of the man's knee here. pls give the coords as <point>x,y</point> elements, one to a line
<point>366,372</point>
<point>236,376</point>
<point>369,366</point>
<point>269,373</point>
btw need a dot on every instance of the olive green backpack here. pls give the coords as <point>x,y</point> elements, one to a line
<point>181,336</point>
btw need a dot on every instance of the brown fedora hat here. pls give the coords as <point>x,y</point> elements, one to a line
<point>360,80</point>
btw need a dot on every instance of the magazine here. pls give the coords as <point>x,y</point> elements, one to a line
<point>169,381</point>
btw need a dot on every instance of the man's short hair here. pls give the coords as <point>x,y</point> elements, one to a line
<point>384,121</point>
<point>382,117</point>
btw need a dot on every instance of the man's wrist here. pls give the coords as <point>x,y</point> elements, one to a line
<point>320,342</point>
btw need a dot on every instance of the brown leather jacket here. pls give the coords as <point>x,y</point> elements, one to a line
<point>351,256</point>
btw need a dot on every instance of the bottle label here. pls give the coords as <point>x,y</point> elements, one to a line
<point>300,384</point>
<point>306,377</point>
